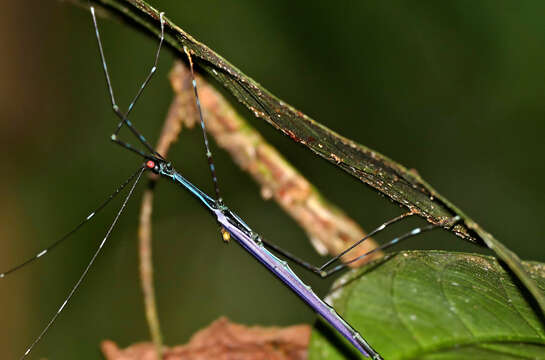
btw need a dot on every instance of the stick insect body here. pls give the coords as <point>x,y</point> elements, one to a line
<point>251,242</point>
<point>232,225</point>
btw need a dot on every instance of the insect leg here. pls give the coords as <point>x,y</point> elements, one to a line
<point>321,270</point>
<point>115,107</point>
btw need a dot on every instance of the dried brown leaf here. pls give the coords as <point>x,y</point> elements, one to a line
<point>224,340</point>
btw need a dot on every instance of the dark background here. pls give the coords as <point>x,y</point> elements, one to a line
<point>452,89</point>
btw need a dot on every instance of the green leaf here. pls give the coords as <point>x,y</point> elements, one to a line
<point>436,305</point>
<point>403,186</point>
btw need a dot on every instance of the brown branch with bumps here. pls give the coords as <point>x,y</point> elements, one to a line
<point>329,229</point>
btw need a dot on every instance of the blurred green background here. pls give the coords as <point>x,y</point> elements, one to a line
<point>452,89</point>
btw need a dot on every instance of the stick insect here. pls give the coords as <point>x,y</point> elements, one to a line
<point>161,166</point>
<point>232,226</point>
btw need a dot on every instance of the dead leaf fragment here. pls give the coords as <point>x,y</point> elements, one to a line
<point>224,340</point>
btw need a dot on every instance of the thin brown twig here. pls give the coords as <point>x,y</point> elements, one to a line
<point>169,135</point>
<point>146,270</point>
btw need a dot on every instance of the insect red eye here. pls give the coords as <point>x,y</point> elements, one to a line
<point>150,164</point>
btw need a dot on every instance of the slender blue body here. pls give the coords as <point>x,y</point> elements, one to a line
<point>251,241</point>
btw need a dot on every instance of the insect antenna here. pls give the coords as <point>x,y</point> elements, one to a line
<point>56,243</point>
<point>138,175</point>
